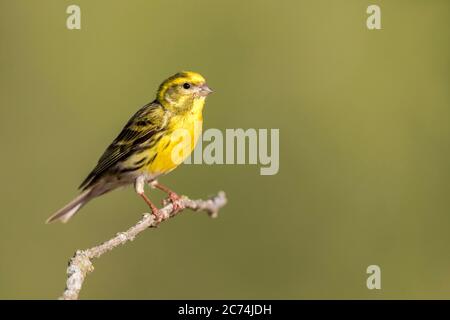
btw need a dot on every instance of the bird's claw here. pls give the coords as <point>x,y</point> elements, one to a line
<point>158,216</point>
<point>175,200</point>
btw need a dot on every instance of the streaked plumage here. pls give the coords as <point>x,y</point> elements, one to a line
<point>144,148</point>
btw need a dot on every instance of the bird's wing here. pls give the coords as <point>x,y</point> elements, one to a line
<point>142,126</point>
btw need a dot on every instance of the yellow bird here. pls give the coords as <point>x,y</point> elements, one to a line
<point>153,142</point>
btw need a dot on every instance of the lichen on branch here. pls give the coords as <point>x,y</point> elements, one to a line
<point>80,265</point>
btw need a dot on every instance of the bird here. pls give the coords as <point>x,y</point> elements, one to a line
<point>155,140</point>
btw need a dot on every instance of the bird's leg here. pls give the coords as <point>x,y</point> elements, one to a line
<point>173,197</point>
<point>139,186</point>
<point>155,210</point>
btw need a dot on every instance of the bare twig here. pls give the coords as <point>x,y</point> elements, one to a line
<point>81,263</point>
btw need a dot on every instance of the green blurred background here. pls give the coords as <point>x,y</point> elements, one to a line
<point>364,153</point>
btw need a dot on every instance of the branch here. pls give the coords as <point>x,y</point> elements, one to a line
<point>80,265</point>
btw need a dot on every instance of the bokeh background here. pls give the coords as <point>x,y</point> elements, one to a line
<point>364,153</point>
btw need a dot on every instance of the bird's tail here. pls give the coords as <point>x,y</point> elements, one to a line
<point>69,210</point>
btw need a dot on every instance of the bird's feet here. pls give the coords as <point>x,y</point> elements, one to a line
<point>175,200</point>
<point>172,196</point>
<point>155,211</point>
<point>157,214</point>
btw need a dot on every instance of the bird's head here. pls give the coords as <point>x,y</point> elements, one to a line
<point>180,92</point>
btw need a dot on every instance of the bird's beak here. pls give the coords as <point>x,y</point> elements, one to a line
<point>205,90</point>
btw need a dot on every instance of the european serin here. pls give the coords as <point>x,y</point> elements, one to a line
<point>144,148</point>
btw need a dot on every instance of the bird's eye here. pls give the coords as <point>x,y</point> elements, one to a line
<point>186,85</point>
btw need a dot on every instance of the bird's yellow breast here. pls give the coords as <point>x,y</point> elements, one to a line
<point>177,143</point>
